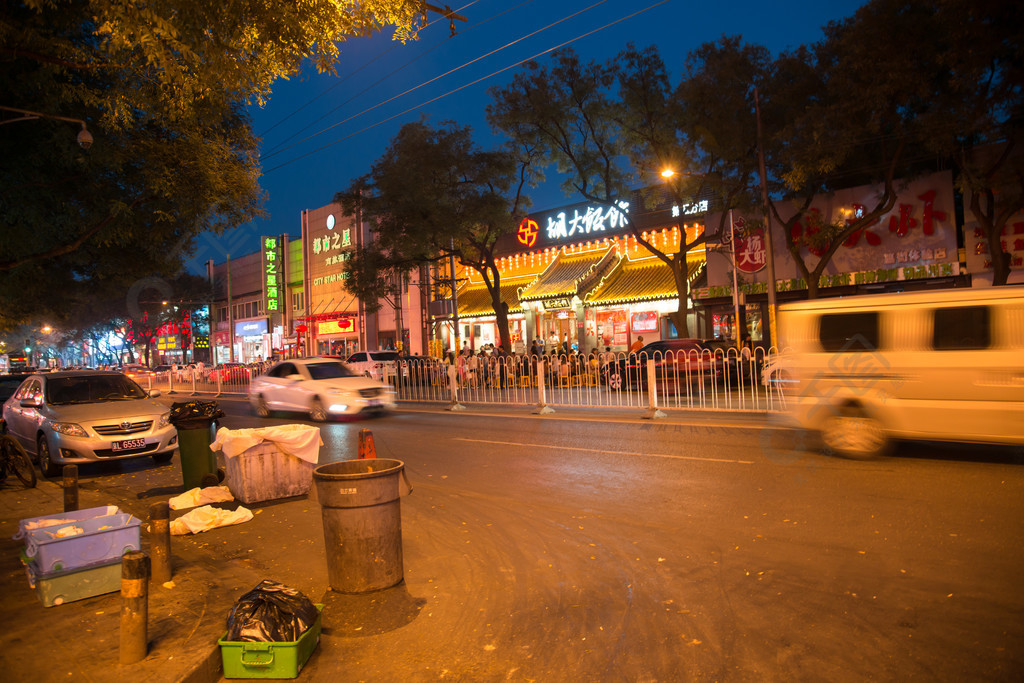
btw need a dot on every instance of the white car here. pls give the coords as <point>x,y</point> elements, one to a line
<point>321,387</point>
<point>380,365</point>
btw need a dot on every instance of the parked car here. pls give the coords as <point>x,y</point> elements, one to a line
<point>163,370</point>
<point>321,387</point>
<point>686,361</point>
<point>85,416</point>
<point>380,365</point>
<point>230,372</point>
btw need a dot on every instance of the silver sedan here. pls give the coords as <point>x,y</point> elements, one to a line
<point>88,416</point>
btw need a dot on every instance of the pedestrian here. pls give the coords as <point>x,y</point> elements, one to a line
<point>637,345</point>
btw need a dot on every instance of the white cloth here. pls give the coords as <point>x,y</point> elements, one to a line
<point>198,496</point>
<point>302,441</point>
<point>206,518</point>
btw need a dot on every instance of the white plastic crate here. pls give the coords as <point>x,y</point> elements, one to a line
<point>263,472</point>
<point>83,542</point>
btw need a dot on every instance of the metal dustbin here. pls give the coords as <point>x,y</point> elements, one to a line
<point>361,507</point>
<point>195,421</point>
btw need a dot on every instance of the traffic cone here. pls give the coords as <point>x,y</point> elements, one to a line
<point>366,448</point>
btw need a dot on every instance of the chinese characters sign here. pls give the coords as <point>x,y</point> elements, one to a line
<point>592,220</point>
<point>341,326</point>
<point>273,274</point>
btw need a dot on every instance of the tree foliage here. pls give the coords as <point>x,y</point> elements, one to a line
<point>162,87</point>
<point>432,195</point>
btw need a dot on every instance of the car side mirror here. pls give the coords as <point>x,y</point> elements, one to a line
<point>295,377</point>
<point>30,402</point>
<point>153,393</point>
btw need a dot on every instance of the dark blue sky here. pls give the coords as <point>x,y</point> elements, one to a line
<point>319,133</point>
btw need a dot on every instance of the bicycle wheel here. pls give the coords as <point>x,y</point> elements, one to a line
<point>17,461</point>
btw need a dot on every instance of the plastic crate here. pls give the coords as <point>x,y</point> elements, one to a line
<point>60,518</point>
<point>60,587</point>
<point>269,660</point>
<point>103,539</point>
<point>263,472</point>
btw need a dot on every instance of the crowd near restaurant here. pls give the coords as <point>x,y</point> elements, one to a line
<point>576,278</point>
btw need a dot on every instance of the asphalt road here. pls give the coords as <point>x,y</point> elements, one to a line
<point>596,548</point>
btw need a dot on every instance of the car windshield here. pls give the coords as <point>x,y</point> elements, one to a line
<point>328,370</point>
<point>92,389</point>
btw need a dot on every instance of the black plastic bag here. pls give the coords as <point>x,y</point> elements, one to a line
<point>195,414</point>
<point>271,612</point>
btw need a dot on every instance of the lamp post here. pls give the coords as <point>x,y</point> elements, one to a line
<point>84,137</point>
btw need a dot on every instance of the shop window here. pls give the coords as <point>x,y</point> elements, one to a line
<point>849,332</point>
<point>961,328</point>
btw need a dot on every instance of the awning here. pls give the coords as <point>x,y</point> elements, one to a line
<point>567,275</point>
<point>475,300</point>
<point>645,280</point>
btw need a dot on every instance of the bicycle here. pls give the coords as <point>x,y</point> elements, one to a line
<point>13,458</point>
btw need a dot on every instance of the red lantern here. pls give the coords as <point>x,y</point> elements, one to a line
<point>301,329</point>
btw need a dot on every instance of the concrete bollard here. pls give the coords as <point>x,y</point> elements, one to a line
<point>160,541</point>
<point>70,488</point>
<point>134,607</point>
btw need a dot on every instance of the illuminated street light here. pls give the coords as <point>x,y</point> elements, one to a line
<point>84,136</point>
<point>667,173</point>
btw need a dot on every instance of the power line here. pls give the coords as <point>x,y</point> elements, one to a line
<point>467,85</point>
<point>426,83</point>
<point>357,71</point>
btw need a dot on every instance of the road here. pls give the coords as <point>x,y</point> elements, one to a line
<point>624,549</point>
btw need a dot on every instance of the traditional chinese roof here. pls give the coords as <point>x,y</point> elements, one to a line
<point>644,280</point>
<point>475,301</point>
<point>566,273</point>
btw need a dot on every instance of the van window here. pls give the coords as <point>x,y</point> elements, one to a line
<point>961,328</point>
<point>849,332</point>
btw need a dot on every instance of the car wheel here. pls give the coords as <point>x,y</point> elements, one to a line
<point>163,457</point>
<point>46,464</point>
<point>852,433</point>
<point>615,380</point>
<point>262,409</point>
<point>316,410</point>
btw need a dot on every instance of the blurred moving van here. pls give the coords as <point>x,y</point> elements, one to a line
<point>944,365</point>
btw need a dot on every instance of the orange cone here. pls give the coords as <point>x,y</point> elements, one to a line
<point>366,448</point>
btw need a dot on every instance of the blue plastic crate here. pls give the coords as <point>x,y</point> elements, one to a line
<point>101,539</point>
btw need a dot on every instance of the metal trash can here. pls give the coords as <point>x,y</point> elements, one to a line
<point>362,519</point>
<point>195,421</point>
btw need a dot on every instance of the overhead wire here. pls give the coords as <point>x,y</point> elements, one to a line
<point>276,151</point>
<point>467,85</point>
<point>275,148</point>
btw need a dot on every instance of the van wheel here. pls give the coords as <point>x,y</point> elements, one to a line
<point>851,433</point>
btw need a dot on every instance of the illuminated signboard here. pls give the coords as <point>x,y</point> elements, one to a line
<point>595,221</point>
<point>343,326</point>
<point>527,233</point>
<point>273,274</point>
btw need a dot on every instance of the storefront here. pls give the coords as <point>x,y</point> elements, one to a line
<point>333,321</point>
<point>912,247</point>
<point>336,336</point>
<point>252,341</point>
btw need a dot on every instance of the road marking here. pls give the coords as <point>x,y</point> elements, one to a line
<point>592,450</point>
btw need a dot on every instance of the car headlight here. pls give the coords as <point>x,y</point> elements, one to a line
<point>165,419</point>
<point>68,428</point>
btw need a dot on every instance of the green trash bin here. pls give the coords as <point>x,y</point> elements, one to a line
<point>195,422</point>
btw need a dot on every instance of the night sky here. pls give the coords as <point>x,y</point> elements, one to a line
<point>319,133</point>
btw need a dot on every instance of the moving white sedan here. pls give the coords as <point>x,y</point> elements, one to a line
<point>321,387</point>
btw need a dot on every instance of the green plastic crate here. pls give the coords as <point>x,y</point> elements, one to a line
<point>57,588</point>
<point>269,660</point>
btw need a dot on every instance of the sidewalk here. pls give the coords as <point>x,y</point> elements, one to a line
<point>455,606</point>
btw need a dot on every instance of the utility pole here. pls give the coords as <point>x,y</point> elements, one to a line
<point>770,251</point>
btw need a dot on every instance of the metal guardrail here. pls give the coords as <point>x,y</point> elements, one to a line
<point>706,380</point>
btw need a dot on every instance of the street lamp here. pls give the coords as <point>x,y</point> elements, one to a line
<point>84,136</point>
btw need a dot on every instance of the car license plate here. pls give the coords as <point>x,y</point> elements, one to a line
<point>373,403</point>
<point>128,445</point>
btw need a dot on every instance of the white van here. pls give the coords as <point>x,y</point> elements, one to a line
<point>944,365</point>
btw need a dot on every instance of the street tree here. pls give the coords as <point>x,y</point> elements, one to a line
<point>858,123</point>
<point>613,127</point>
<point>162,88</point>
<point>434,195</point>
<point>977,117</point>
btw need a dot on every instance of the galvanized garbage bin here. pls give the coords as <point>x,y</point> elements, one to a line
<point>362,520</point>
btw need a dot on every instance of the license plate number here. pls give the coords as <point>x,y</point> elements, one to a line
<point>128,445</point>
